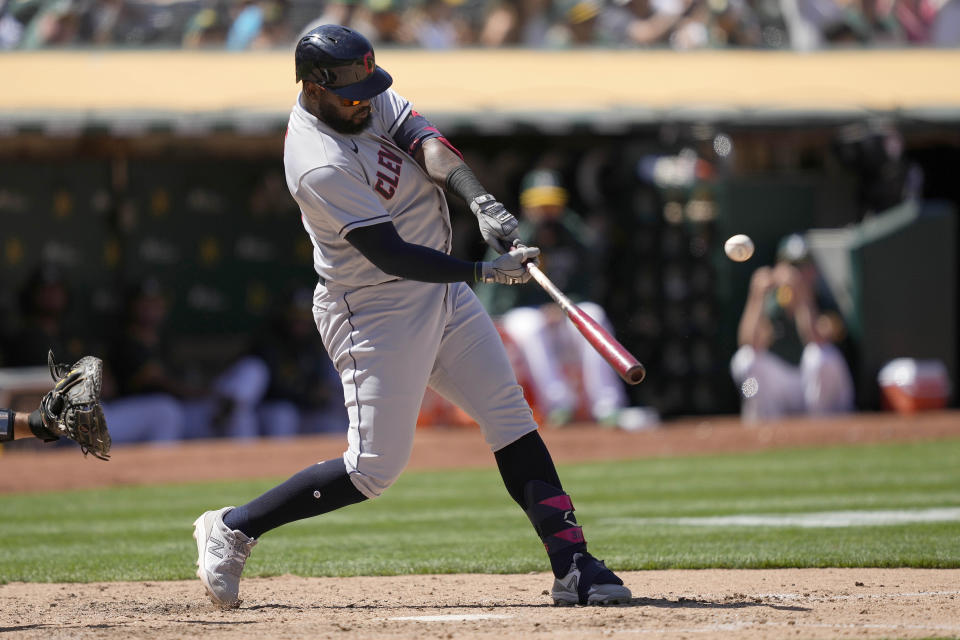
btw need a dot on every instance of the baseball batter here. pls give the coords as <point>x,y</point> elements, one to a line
<point>396,315</point>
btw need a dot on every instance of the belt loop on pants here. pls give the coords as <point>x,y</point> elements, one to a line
<point>323,281</point>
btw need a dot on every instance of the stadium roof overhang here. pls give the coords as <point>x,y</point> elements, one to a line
<point>189,92</point>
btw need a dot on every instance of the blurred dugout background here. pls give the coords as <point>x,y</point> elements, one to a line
<point>125,165</point>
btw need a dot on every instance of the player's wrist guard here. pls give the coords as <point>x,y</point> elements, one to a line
<point>482,202</point>
<point>462,182</point>
<point>6,425</point>
<point>485,272</point>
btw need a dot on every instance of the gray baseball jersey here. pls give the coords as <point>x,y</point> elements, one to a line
<point>389,337</point>
<point>343,182</point>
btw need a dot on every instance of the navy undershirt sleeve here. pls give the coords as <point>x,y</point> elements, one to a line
<point>412,133</point>
<point>383,246</point>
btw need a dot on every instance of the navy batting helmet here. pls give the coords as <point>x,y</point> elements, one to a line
<point>341,60</point>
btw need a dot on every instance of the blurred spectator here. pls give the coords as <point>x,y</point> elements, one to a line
<point>385,24</point>
<point>276,31</point>
<point>579,25</point>
<point>446,24</point>
<point>536,21</point>
<point>246,25</point>
<point>788,362</point>
<point>147,381</point>
<point>733,23</point>
<point>141,396</point>
<point>258,24</point>
<point>336,12</point>
<point>56,23</point>
<point>813,24</point>
<point>806,20</point>
<point>561,364</point>
<point>305,394</point>
<point>874,152</point>
<point>44,303</point>
<point>115,22</point>
<point>437,25</point>
<point>945,31</point>
<point>916,18</point>
<point>11,29</point>
<point>524,23</point>
<point>381,21</point>
<point>643,22</point>
<point>207,27</point>
<point>501,25</point>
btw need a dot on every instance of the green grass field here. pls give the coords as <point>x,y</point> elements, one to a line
<point>443,522</point>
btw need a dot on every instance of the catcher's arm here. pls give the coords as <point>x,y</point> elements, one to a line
<point>14,425</point>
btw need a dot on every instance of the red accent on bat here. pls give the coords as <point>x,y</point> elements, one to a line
<point>627,366</point>
<point>619,358</point>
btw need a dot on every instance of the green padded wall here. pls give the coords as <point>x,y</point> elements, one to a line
<point>903,267</point>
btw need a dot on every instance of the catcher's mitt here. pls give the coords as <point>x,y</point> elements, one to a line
<point>72,408</point>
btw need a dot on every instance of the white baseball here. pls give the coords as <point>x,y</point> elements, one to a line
<point>739,248</point>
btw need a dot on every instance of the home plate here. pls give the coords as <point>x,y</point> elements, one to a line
<point>455,617</point>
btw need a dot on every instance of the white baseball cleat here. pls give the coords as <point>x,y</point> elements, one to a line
<point>221,554</point>
<point>589,582</point>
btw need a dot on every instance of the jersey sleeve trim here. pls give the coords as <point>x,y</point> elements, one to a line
<point>401,117</point>
<point>414,131</point>
<point>448,145</point>
<point>366,222</point>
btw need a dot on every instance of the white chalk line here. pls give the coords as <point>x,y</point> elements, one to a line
<point>734,626</point>
<point>816,519</point>
<point>852,596</point>
<point>739,626</point>
<point>454,617</point>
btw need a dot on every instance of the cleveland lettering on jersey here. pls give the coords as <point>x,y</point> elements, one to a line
<point>387,182</point>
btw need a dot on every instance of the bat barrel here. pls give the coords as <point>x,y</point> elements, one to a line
<point>623,362</point>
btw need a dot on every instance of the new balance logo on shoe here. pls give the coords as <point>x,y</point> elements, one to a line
<point>216,547</point>
<point>568,583</point>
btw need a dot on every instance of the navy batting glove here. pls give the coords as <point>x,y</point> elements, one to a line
<point>497,225</point>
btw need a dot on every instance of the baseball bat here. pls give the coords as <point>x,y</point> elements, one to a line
<point>623,362</point>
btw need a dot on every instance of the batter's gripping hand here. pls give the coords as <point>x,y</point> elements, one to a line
<point>510,268</point>
<point>72,408</point>
<point>497,225</point>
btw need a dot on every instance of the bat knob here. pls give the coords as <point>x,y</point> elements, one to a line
<point>635,374</point>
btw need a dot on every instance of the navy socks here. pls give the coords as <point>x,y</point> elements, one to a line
<point>523,460</point>
<point>531,479</point>
<point>317,489</point>
<point>525,465</point>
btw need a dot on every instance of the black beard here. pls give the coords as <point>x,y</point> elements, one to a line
<point>333,120</point>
